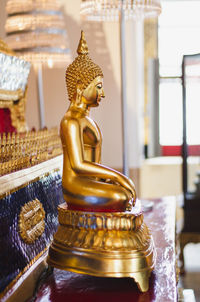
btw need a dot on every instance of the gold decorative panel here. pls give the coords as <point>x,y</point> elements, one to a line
<point>31,221</point>
<point>20,151</point>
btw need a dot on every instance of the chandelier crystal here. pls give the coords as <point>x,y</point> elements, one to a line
<point>35,30</point>
<point>108,10</point>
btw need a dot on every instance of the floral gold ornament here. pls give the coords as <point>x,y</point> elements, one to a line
<point>31,221</point>
<point>101,229</point>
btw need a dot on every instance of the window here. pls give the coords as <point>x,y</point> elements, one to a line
<point>179,32</point>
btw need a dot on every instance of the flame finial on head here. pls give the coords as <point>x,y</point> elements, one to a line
<point>82,47</point>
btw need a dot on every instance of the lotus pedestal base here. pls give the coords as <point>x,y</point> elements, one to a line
<point>104,245</point>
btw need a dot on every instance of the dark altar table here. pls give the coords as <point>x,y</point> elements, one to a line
<point>66,286</point>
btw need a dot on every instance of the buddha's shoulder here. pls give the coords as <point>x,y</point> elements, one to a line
<point>69,119</point>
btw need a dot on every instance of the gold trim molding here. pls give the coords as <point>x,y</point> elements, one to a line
<point>14,281</point>
<point>98,221</point>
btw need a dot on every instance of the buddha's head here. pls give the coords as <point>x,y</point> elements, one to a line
<point>83,76</point>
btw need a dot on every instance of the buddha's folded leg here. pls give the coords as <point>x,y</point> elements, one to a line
<point>86,194</point>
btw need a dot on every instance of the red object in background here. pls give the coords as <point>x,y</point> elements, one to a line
<point>193,150</point>
<point>64,286</point>
<point>5,121</point>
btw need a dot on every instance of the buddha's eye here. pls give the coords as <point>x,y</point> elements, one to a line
<point>99,86</point>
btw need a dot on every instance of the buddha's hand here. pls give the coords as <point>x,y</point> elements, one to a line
<point>129,185</point>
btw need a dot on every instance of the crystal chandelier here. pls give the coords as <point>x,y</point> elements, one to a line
<point>36,31</point>
<point>108,10</point>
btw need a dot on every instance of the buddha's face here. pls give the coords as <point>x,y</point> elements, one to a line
<point>94,92</point>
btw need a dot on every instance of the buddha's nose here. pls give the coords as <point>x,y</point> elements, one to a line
<point>103,94</point>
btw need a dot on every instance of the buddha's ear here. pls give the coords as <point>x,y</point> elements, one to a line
<point>79,86</point>
<point>79,91</point>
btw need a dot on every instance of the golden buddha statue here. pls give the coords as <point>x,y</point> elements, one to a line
<point>101,230</point>
<point>87,184</point>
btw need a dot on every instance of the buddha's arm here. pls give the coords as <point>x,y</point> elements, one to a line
<point>72,136</point>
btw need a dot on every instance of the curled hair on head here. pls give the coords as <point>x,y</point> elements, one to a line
<point>82,69</point>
